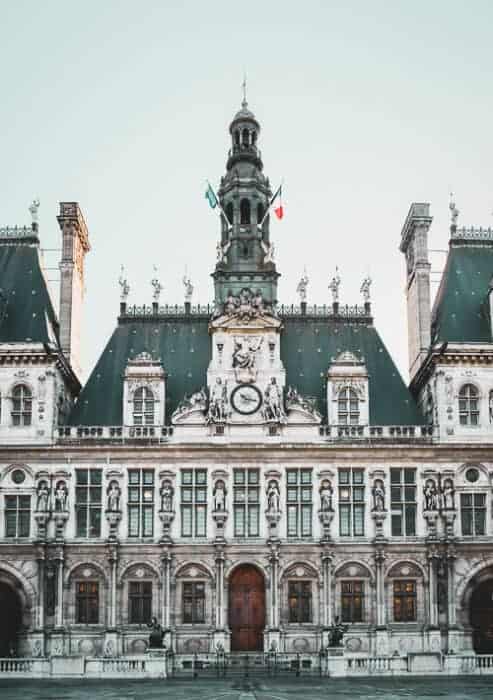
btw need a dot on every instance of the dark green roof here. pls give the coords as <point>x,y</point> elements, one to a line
<point>460,312</point>
<point>26,311</point>
<point>309,345</point>
<point>183,345</point>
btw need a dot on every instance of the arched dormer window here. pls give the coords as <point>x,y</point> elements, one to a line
<point>254,138</point>
<point>245,137</point>
<point>237,138</point>
<point>469,405</point>
<point>22,405</point>
<point>348,407</point>
<point>244,211</point>
<point>143,406</point>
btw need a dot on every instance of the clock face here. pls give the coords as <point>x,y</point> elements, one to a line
<point>246,399</point>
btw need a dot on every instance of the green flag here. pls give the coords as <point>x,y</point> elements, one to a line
<point>210,195</point>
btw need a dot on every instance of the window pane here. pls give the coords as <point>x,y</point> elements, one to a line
<point>359,520</point>
<point>200,527</point>
<point>344,520</point>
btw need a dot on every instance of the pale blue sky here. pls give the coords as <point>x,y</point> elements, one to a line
<point>364,106</point>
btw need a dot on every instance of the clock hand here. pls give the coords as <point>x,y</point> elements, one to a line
<point>245,397</point>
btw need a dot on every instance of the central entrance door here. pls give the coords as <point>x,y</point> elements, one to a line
<point>246,609</point>
<point>482,617</point>
<point>10,616</point>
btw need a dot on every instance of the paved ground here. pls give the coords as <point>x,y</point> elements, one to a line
<point>264,689</point>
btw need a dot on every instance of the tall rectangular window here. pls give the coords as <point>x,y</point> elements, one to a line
<point>351,503</point>
<point>139,602</point>
<point>17,516</point>
<point>473,513</point>
<point>140,502</point>
<point>300,601</point>
<point>246,502</point>
<point>352,601</point>
<point>405,601</point>
<point>88,492</point>
<point>193,502</point>
<point>403,501</point>
<point>194,603</point>
<point>299,502</point>
<point>87,602</point>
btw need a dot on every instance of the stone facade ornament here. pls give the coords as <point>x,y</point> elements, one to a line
<point>378,494</point>
<point>244,358</point>
<point>454,212</point>
<point>448,495</point>
<point>61,497</point>
<point>43,497</point>
<point>247,306</point>
<point>306,405</point>
<point>219,496</point>
<point>326,511</point>
<point>114,494</point>
<point>273,409</point>
<point>431,495</point>
<point>218,405</point>
<point>365,289</point>
<point>273,497</point>
<point>166,512</point>
<point>33,210</point>
<point>189,406</point>
<point>269,252</point>
<point>157,287</point>
<point>187,283</point>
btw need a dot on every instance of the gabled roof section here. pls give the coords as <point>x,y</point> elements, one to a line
<point>26,310</point>
<point>308,347</point>
<point>182,344</point>
<point>460,312</point>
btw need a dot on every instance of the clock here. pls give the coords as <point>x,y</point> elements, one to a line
<point>246,399</point>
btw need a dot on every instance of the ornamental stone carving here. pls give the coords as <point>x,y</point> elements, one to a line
<point>219,495</point>
<point>114,494</point>
<point>218,405</point>
<point>244,360</point>
<point>247,306</point>
<point>43,497</point>
<point>378,495</point>
<point>273,409</point>
<point>191,407</point>
<point>430,493</point>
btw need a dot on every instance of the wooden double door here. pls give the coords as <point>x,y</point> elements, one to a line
<point>247,609</point>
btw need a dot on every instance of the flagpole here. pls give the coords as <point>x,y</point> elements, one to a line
<point>229,224</point>
<point>270,204</point>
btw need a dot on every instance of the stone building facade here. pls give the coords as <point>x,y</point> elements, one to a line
<point>249,473</point>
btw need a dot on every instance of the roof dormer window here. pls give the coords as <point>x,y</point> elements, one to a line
<point>143,406</point>
<point>22,405</point>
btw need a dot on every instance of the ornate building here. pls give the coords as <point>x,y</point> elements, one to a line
<point>247,472</point>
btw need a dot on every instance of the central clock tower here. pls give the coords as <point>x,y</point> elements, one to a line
<point>246,378</point>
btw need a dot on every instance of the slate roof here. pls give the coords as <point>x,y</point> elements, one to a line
<point>183,345</point>
<point>460,313</point>
<point>26,310</point>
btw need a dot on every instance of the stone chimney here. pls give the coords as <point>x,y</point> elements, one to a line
<point>75,245</point>
<point>414,245</point>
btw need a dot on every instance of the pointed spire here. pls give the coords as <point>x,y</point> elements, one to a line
<point>244,103</point>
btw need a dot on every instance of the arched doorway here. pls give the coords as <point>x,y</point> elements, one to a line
<point>11,618</point>
<point>481,615</point>
<point>247,608</point>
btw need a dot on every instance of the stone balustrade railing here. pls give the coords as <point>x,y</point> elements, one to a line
<point>377,432</point>
<point>141,666</point>
<point>17,232</point>
<point>115,433</point>
<point>473,234</point>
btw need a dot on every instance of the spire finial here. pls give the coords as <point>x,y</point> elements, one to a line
<point>124,285</point>
<point>454,212</point>
<point>302,286</point>
<point>187,283</point>
<point>244,103</point>
<point>33,210</point>
<point>334,286</point>
<point>365,289</point>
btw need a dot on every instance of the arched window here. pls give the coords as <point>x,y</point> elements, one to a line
<point>348,407</point>
<point>244,211</point>
<point>237,137</point>
<point>469,405</point>
<point>143,411</point>
<point>260,212</point>
<point>245,137</point>
<point>229,213</point>
<point>254,138</point>
<point>22,405</point>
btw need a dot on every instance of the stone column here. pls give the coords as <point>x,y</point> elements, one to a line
<point>273,637</point>
<point>380,588</point>
<point>166,560</point>
<point>452,609</point>
<point>432,587</point>
<point>40,620</point>
<point>113,561</point>
<point>60,560</point>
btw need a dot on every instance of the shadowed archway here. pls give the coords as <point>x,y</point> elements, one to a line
<point>11,619</point>
<point>481,616</point>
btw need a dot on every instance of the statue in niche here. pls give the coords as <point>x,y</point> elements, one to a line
<point>273,497</point>
<point>166,493</point>
<point>448,495</point>
<point>61,497</point>
<point>273,408</point>
<point>326,492</point>
<point>378,493</point>
<point>219,495</point>
<point>430,494</point>
<point>156,635</point>
<point>218,403</point>
<point>43,497</point>
<point>114,494</point>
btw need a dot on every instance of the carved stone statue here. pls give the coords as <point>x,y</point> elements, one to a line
<point>61,497</point>
<point>326,492</point>
<point>114,494</point>
<point>187,283</point>
<point>378,493</point>
<point>166,493</point>
<point>244,358</point>
<point>157,287</point>
<point>448,495</point>
<point>273,408</point>
<point>430,494</point>
<point>334,286</point>
<point>219,495</point>
<point>196,402</point>
<point>273,497</point>
<point>218,404</point>
<point>302,287</point>
<point>365,288</point>
<point>336,633</point>
<point>124,285</point>
<point>156,635</point>
<point>43,497</point>
<point>269,252</point>
<point>247,305</point>
<point>33,210</point>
